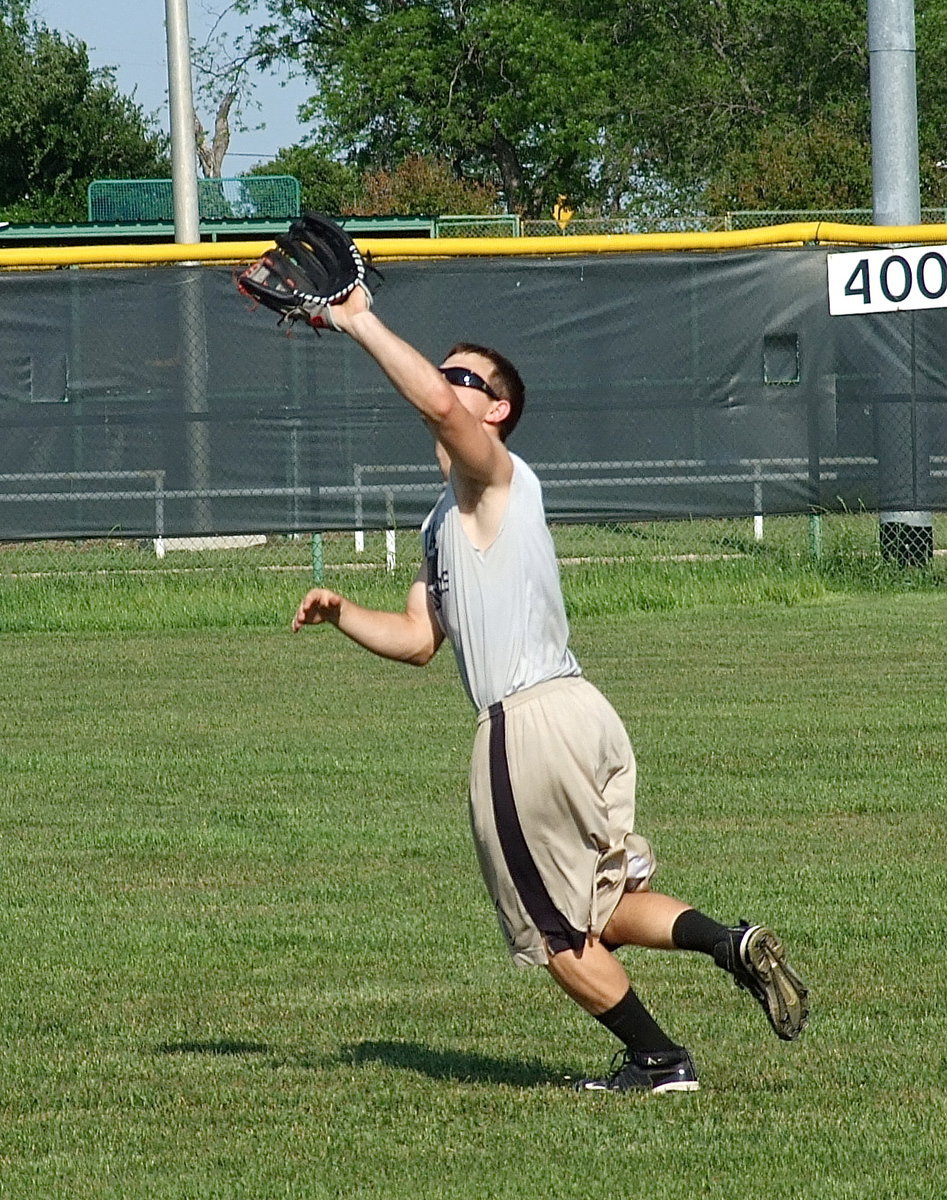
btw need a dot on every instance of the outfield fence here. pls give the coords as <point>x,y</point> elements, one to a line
<point>668,379</point>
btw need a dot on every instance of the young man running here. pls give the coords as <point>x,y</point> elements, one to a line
<point>552,780</point>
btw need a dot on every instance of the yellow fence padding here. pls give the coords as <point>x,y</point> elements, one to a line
<point>382,249</point>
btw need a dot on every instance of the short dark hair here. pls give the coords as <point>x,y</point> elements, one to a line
<point>506,381</point>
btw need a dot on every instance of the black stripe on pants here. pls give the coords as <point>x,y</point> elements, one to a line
<point>550,922</point>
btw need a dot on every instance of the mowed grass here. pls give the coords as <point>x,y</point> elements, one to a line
<point>246,951</point>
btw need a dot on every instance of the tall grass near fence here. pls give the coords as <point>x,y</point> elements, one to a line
<point>606,569</point>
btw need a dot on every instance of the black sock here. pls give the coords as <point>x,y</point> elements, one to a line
<point>632,1024</point>
<point>694,931</point>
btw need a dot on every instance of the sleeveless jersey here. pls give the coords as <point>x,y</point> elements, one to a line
<point>500,608</point>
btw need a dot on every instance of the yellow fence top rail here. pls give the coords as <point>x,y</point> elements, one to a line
<point>396,248</point>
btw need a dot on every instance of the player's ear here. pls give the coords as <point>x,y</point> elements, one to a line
<point>499,412</point>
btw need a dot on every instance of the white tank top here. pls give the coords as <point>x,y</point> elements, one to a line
<point>500,608</point>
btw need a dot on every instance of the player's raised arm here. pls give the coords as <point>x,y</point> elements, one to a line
<point>317,274</point>
<point>461,420</point>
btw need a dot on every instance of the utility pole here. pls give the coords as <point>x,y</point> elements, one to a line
<point>906,531</point>
<point>187,231</point>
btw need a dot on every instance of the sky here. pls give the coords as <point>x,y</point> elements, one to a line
<point>129,35</point>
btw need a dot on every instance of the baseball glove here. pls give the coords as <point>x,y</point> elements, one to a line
<point>315,266</point>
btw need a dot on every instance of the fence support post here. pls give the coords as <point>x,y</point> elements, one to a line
<point>815,536</point>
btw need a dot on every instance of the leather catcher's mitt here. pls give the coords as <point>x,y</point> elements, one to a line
<point>315,266</point>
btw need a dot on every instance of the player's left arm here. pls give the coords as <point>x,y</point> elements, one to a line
<point>412,636</point>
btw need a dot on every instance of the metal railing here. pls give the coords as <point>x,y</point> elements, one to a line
<point>396,480</point>
<point>754,473</point>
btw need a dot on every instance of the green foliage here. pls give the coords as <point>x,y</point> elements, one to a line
<point>327,185</point>
<point>422,186</point>
<point>62,124</point>
<point>509,93</point>
<point>417,186</point>
<point>730,90</point>
<point>683,106</point>
<point>823,163</point>
<point>931,33</point>
<point>767,105</point>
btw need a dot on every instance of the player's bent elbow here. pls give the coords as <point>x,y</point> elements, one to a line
<point>423,651</point>
<point>420,658</point>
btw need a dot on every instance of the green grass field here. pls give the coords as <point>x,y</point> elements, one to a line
<point>246,952</point>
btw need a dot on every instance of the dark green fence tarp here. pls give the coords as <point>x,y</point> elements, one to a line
<point>147,402</point>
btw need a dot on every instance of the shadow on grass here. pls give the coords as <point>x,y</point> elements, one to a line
<point>222,1048</point>
<point>455,1065</point>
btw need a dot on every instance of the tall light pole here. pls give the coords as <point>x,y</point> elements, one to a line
<point>187,231</point>
<point>892,54</point>
<point>907,534</point>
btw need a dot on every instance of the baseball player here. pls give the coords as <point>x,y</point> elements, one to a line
<point>552,780</point>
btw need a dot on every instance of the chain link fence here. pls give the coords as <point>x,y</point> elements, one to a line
<point>568,224</point>
<point>489,225</point>
<point>759,218</point>
<point>832,540</point>
<point>513,226</point>
<point>575,226</point>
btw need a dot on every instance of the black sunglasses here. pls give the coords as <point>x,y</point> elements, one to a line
<point>464,378</point>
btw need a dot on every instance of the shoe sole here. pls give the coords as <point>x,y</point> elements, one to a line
<point>782,993</point>
<point>663,1089</point>
<point>689,1085</point>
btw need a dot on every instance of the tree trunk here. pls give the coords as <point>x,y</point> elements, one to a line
<point>212,157</point>
<point>511,172</point>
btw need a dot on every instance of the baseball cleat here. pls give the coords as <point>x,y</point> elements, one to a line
<point>755,957</point>
<point>656,1071</point>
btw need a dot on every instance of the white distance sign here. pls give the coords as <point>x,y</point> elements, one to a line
<point>887,280</point>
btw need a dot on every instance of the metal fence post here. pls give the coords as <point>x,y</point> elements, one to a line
<point>906,536</point>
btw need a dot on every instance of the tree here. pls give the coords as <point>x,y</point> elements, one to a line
<point>62,124</point>
<point>509,93</point>
<point>931,21</point>
<point>211,154</point>
<point>725,87</point>
<point>766,105</point>
<point>821,164</point>
<point>694,105</point>
<point>418,186</point>
<point>221,65</point>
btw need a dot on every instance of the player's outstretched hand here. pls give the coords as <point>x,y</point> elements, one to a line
<point>318,606</point>
<point>339,314</point>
